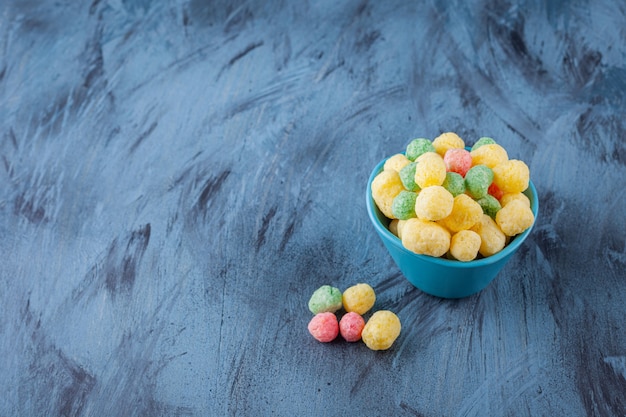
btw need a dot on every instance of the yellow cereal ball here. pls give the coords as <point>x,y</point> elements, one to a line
<point>396,162</point>
<point>430,170</point>
<point>490,155</point>
<point>385,187</point>
<point>507,198</point>
<point>434,203</point>
<point>393,226</point>
<point>492,239</point>
<point>425,237</point>
<point>511,176</point>
<point>381,330</point>
<point>359,298</point>
<point>514,218</point>
<point>448,140</point>
<point>464,245</point>
<point>466,212</point>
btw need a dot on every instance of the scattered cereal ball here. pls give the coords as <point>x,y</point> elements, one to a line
<point>511,176</point>
<point>359,298</point>
<point>482,141</point>
<point>324,327</point>
<point>430,170</point>
<point>454,183</point>
<point>396,162</point>
<point>477,181</point>
<point>490,155</point>
<point>490,205</point>
<point>507,198</point>
<point>433,203</point>
<point>514,218</point>
<point>325,299</point>
<point>417,147</point>
<point>464,245</point>
<point>381,330</point>
<point>458,160</point>
<point>495,191</point>
<point>492,239</point>
<point>407,176</point>
<point>465,213</point>
<point>350,326</point>
<point>385,187</point>
<point>425,237</point>
<point>403,206</point>
<point>448,140</point>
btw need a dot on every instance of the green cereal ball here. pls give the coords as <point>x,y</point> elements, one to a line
<point>483,141</point>
<point>407,176</point>
<point>403,206</point>
<point>417,147</point>
<point>454,183</point>
<point>490,205</point>
<point>477,181</point>
<point>325,299</point>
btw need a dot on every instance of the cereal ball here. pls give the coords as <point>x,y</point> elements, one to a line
<point>324,327</point>
<point>393,226</point>
<point>507,198</point>
<point>381,330</point>
<point>464,245</point>
<point>490,205</point>
<point>511,176</point>
<point>403,206</point>
<point>425,237</point>
<point>454,183</point>
<point>400,226</point>
<point>490,155</point>
<point>407,176</point>
<point>350,326</point>
<point>465,213</point>
<point>359,298</point>
<point>430,170</point>
<point>482,141</point>
<point>325,299</point>
<point>495,191</point>
<point>417,147</point>
<point>477,181</point>
<point>458,160</point>
<point>514,218</point>
<point>385,187</point>
<point>396,162</point>
<point>492,239</point>
<point>448,140</point>
<point>433,203</point>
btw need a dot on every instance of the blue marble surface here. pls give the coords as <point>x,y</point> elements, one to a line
<point>177,178</point>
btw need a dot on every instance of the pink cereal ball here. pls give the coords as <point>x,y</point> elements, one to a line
<point>458,160</point>
<point>324,327</point>
<point>350,326</point>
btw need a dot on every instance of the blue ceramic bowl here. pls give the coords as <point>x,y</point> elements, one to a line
<point>443,277</point>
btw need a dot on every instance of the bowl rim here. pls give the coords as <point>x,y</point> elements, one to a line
<point>508,250</point>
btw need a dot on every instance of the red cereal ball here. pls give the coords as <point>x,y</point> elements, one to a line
<point>458,160</point>
<point>324,327</point>
<point>350,326</point>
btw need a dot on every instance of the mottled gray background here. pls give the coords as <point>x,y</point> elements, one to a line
<point>176,178</point>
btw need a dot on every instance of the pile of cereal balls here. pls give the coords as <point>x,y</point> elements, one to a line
<point>445,200</point>
<point>380,331</point>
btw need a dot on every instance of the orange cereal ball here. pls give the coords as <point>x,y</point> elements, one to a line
<point>430,170</point>
<point>448,140</point>
<point>511,176</point>
<point>396,162</point>
<point>385,187</point>
<point>359,298</point>
<point>514,218</point>
<point>425,237</point>
<point>381,330</point>
<point>466,212</point>
<point>490,155</point>
<point>492,239</point>
<point>464,245</point>
<point>434,203</point>
<point>507,198</point>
